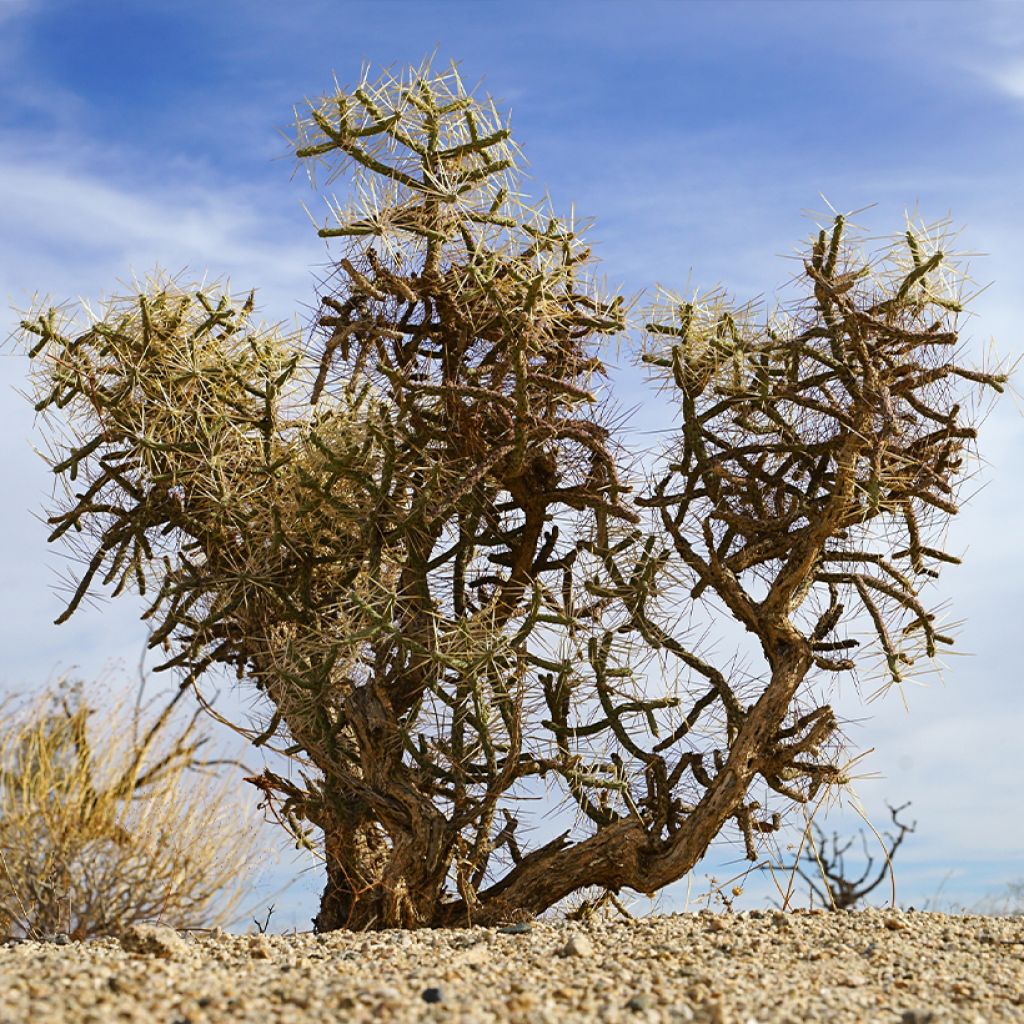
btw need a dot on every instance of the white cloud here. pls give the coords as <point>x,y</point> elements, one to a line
<point>989,47</point>
<point>1011,79</point>
<point>1005,77</point>
<point>68,230</point>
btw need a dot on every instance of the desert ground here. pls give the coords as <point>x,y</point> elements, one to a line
<point>885,966</point>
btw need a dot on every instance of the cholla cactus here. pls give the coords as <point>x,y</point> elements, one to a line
<point>438,578</point>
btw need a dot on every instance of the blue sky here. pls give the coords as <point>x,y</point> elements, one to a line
<point>701,137</point>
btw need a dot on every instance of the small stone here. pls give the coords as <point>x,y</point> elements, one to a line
<point>917,1017</point>
<point>433,995</point>
<point>711,1012</point>
<point>894,924</point>
<point>260,948</point>
<point>521,928</point>
<point>388,998</point>
<point>154,939</point>
<point>578,945</point>
<point>638,1003</point>
<point>474,955</point>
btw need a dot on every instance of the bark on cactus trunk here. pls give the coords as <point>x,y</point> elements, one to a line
<point>372,885</point>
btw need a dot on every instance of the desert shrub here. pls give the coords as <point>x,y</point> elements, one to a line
<point>101,827</point>
<point>447,578</point>
<point>834,880</point>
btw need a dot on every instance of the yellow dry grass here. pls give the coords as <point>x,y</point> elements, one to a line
<point>100,827</point>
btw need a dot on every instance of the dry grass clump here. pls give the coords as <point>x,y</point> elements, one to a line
<point>99,830</point>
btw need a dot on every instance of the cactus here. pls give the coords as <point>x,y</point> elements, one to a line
<point>442,576</point>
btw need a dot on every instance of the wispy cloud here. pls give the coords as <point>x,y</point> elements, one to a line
<point>989,47</point>
<point>1007,78</point>
<point>68,230</point>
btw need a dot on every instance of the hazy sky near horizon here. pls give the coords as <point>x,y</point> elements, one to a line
<point>706,140</point>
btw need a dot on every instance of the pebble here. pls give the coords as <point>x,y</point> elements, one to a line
<point>674,969</point>
<point>153,940</point>
<point>578,945</point>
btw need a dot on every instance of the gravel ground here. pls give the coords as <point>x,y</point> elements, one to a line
<point>872,965</point>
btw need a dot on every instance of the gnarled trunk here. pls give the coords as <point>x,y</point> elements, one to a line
<point>376,881</point>
<point>355,856</point>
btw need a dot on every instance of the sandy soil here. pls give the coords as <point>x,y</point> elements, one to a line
<point>885,966</point>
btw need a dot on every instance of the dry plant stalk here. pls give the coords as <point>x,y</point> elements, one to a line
<point>97,834</point>
<point>824,870</point>
<point>439,577</point>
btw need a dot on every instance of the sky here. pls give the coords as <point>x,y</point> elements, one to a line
<point>707,140</point>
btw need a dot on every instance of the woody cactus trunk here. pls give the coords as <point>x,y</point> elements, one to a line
<point>442,576</point>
